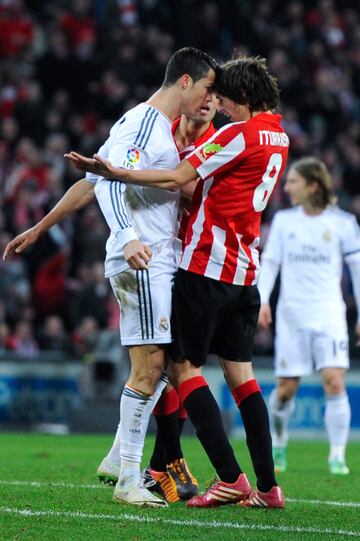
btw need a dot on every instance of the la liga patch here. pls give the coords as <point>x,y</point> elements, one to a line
<point>133,156</point>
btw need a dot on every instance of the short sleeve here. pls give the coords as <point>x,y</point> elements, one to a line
<point>218,153</point>
<point>134,142</point>
<point>128,156</point>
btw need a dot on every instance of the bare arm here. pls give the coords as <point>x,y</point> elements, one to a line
<point>187,191</point>
<point>354,267</point>
<point>76,197</point>
<point>168,179</point>
<point>265,316</point>
<point>268,274</point>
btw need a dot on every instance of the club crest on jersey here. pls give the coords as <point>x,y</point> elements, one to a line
<point>164,324</point>
<point>132,158</point>
<point>327,235</point>
<point>209,149</point>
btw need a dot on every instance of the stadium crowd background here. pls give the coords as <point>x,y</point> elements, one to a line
<point>69,69</point>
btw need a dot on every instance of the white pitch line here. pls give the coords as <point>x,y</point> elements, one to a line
<point>324,502</point>
<point>192,523</point>
<point>39,484</point>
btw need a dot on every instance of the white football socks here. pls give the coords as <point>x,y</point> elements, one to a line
<point>128,407</point>
<point>337,423</point>
<point>279,414</point>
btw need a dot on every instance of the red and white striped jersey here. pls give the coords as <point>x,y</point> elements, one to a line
<point>239,167</point>
<point>182,155</point>
<point>199,141</point>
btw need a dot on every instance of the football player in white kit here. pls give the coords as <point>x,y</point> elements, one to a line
<point>308,244</point>
<point>188,132</point>
<point>143,223</point>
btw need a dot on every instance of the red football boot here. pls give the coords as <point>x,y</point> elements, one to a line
<point>273,499</point>
<point>221,493</point>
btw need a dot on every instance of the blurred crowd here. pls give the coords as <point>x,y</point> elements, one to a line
<point>69,69</point>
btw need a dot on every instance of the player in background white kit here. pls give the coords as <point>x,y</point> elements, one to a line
<point>308,244</point>
<point>143,225</point>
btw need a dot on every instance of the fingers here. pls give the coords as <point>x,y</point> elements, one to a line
<point>81,162</point>
<point>75,161</point>
<point>264,322</point>
<point>147,251</point>
<point>16,245</point>
<point>97,165</point>
<point>265,317</point>
<point>7,252</point>
<point>101,160</point>
<point>137,255</point>
<point>137,263</point>
<point>140,260</point>
<point>76,156</point>
<point>104,166</point>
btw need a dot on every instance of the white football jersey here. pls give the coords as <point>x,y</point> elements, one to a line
<point>310,249</point>
<point>141,139</point>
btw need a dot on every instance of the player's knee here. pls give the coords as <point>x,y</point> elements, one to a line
<point>286,390</point>
<point>334,385</point>
<point>173,374</point>
<point>147,376</point>
<point>178,372</point>
<point>144,382</point>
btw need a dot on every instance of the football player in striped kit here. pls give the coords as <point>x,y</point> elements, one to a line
<point>215,298</point>
<point>143,224</point>
<point>308,244</point>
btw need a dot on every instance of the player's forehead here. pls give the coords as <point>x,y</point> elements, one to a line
<point>208,79</point>
<point>224,100</point>
<point>294,176</point>
<point>214,100</point>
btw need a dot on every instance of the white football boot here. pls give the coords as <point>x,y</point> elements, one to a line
<point>136,494</point>
<point>108,472</point>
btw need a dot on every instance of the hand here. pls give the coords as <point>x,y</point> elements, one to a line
<point>137,254</point>
<point>265,318</point>
<point>97,165</point>
<point>105,168</point>
<point>21,242</point>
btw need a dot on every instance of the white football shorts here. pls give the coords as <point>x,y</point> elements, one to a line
<point>299,351</point>
<point>144,297</point>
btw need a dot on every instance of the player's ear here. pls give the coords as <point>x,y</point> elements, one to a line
<point>314,187</point>
<point>185,81</point>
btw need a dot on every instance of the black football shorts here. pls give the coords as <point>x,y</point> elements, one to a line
<point>209,316</point>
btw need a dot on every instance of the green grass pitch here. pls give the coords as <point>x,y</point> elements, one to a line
<point>49,491</point>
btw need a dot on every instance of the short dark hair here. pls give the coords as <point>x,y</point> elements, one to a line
<point>246,79</point>
<point>188,60</point>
